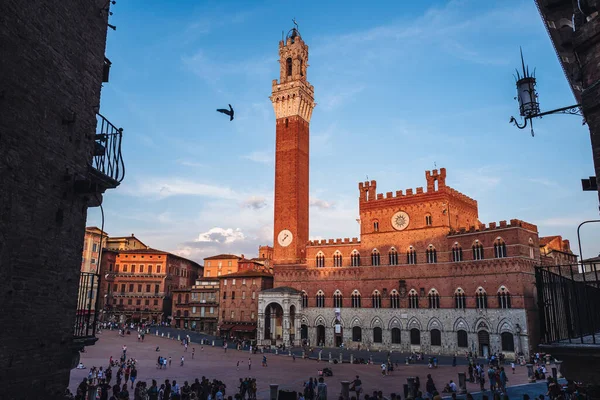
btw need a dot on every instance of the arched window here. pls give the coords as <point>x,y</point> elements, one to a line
<point>355,299</point>
<point>394,299</point>
<point>428,220</point>
<point>460,301</point>
<point>411,256</point>
<point>320,298</point>
<point>477,251</point>
<point>179,298</point>
<point>434,299</point>
<point>415,336</point>
<point>376,299</point>
<point>304,299</point>
<point>377,335</point>
<point>320,260</point>
<point>150,269</point>
<point>338,299</point>
<point>356,334</point>
<point>508,341</point>
<point>481,298</point>
<point>396,335</point>
<point>355,258</point>
<point>393,256</point>
<point>457,254</point>
<point>462,338</point>
<point>431,254</point>
<point>187,298</point>
<point>186,313</point>
<point>337,259</point>
<point>436,337</point>
<point>531,252</point>
<point>413,299</point>
<point>288,63</point>
<point>301,68</point>
<point>499,248</point>
<point>375,257</point>
<point>375,226</point>
<point>133,268</point>
<point>503,298</point>
<point>179,313</point>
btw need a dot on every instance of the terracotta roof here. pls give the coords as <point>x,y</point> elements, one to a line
<point>547,239</point>
<point>282,289</point>
<point>224,257</point>
<point>154,251</point>
<point>246,274</point>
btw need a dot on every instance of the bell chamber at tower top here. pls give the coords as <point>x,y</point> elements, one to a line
<point>293,95</point>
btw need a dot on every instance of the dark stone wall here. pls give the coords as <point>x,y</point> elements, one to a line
<point>51,57</point>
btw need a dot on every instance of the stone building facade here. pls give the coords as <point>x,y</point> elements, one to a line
<point>425,274</point>
<point>197,307</point>
<point>51,62</point>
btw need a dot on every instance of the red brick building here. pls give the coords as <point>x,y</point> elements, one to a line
<point>142,281</point>
<point>197,307</point>
<point>239,302</point>
<point>425,275</point>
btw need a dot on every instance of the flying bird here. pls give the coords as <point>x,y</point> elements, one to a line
<point>227,112</point>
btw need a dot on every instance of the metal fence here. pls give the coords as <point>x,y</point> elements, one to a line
<point>86,316</point>
<point>108,158</point>
<point>569,303</point>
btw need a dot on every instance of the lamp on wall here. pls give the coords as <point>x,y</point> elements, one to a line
<point>527,96</point>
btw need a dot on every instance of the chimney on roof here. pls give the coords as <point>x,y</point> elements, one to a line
<point>132,235</point>
<point>242,256</point>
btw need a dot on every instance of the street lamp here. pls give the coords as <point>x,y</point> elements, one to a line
<point>527,96</point>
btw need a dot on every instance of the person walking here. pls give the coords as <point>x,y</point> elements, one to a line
<point>193,352</point>
<point>170,361</point>
<point>249,364</point>
<point>133,376</point>
<point>181,363</point>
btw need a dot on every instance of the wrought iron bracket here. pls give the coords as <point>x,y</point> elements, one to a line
<point>570,110</point>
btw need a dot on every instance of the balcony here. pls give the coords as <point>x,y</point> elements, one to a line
<point>84,330</point>
<point>107,169</point>
<point>569,320</point>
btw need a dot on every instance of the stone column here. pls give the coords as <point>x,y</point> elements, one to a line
<point>273,322</point>
<point>462,383</point>
<point>297,330</point>
<point>273,394</point>
<point>345,390</point>
<point>351,358</point>
<point>330,359</point>
<point>260,331</point>
<point>286,327</point>
<point>341,360</point>
<point>530,373</point>
<point>548,357</point>
<point>320,353</point>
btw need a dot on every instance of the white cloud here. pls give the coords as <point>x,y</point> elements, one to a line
<point>255,202</point>
<point>167,187</point>
<point>189,163</point>
<point>320,203</point>
<point>221,235</point>
<point>561,221</point>
<point>261,157</point>
<point>212,70</point>
<point>334,98</point>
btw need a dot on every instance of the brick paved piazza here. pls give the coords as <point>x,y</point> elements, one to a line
<point>214,363</point>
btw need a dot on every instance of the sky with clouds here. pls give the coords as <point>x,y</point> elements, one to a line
<point>400,87</point>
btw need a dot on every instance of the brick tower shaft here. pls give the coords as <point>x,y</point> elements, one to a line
<point>293,102</point>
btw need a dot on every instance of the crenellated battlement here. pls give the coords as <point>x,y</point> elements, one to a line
<point>333,242</point>
<point>368,190</point>
<point>481,227</point>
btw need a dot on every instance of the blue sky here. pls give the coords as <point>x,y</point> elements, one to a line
<point>399,86</point>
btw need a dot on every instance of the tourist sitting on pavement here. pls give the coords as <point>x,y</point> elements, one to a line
<point>450,387</point>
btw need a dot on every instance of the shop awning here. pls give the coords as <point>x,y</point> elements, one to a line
<point>244,328</point>
<point>226,327</point>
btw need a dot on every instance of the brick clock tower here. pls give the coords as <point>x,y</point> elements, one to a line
<point>293,102</point>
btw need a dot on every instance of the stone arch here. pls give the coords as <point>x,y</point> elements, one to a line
<point>504,326</point>
<point>395,323</point>
<point>304,320</point>
<point>355,322</point>
<point>376,322</point>
<point>273,302</point>
<point>320,320</point>
<point>334,320</point>
<point>435,323</point>
<point>461,324</point>
<point>413,323</point>
<point>482,324</point>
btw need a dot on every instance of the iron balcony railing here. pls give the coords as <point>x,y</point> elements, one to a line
<point>87,310</point>
<point>108,158</point>
<point>569,303</point>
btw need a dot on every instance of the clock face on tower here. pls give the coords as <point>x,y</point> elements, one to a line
<point>400,220</point>
<point>285,238</point>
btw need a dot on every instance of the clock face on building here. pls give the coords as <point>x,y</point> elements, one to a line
<point>400,220</point>
<point>285,238</point>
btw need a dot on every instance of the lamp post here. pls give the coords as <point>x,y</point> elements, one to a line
<point>527,96</point>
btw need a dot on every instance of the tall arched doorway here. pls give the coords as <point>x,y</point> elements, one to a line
<point>292,323</point>
<point>484,343</point>
<point>273,322</point>
<point>320,335</point>
<point>304,331</point>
